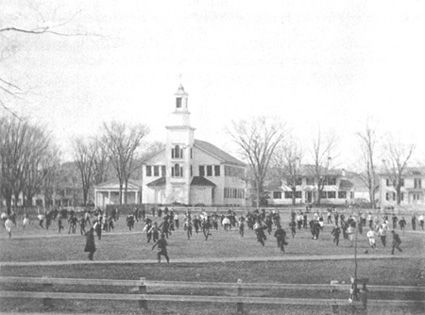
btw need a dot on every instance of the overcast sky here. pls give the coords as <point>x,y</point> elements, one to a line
<point>312,63</point>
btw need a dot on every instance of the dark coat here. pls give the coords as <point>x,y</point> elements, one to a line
<point>90,246</point>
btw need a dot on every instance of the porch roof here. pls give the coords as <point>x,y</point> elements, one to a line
<point>201,181</point>
<point>157,182</point>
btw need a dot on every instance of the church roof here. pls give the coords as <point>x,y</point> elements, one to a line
<point>218,153</point>
<point>201,181</point>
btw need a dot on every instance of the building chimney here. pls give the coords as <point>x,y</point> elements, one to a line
<point>343,172</point>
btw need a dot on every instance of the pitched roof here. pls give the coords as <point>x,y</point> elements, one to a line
<point>201,181</point>
<point>157,182</point>
<point>345,184</point>
<point>218,153</point>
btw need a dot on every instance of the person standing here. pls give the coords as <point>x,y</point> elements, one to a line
<point>90,245</point>
<point>421,220</point>
<point>162,246</point>
<point>402,224</point>
<point>396,242</point>
<point>413,222</point>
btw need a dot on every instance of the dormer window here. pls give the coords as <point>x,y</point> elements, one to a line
<point>178,102</point>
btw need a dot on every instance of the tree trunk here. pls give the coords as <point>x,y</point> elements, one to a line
<point>294,189</point>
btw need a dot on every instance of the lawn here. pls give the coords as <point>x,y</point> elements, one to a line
<point>36,244</point>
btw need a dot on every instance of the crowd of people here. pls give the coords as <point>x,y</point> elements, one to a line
<point>160,224</point>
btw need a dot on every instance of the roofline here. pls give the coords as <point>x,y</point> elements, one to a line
<point>220,159</point>
<point>152,156</point>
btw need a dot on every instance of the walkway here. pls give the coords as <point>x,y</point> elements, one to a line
<point>210,260</point>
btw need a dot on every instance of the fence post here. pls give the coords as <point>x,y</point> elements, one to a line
<point>142,291</point>
<point>47,287</point>
<point>335,307</point>
<point>239,305</point>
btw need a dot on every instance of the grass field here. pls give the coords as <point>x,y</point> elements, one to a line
<point>36,244</point>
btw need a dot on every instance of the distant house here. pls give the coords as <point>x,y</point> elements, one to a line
<point>108,193</point>
<point>341,187</point>
<point>412,188</point>
<point>188,171</point>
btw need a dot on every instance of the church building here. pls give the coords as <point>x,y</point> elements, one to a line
<point>188,171</point>
<point>191,171</point>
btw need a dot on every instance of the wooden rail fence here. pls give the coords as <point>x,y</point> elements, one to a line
<point>141,294</point>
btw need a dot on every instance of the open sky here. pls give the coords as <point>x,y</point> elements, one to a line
<point>311,63</point>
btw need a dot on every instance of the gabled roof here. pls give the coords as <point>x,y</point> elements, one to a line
<point>218,153</point>
<point>157,182</point>
<point>201,181</point>
<point>345,184</point>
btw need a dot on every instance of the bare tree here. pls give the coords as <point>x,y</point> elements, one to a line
<point>397,156</point>
<point>257,140</point>
<point>32,20</point>
<point>323,147</point>
<point>13,148</point>
<point>368,143</point>
<point>287,162</point>
<point>84,154</point>
<point>39,144</point>
<point>123,143</point>
<point>101,163</point>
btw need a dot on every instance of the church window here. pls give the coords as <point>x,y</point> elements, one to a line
<point>148,170</point>
<point>156,170</point>
<point>163,170</point>
<point>217,170</point>
<point>209,170</point>
<point>177,171</point>
<point>201,170</point>
<point>178,102</point>
<point>191,171</point>
<point>177,152</point>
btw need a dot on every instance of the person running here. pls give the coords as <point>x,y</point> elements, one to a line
<point>98,228</point>
<point>280,235</point>
<point>293,227</point>
<point>336,232</point>
<point>395,219</point>
<point>371,236</point>
<point>188,227</point>
<point>90,245</point>
<point>402,223</point>
<point>60,225</point>
<point>162,247</point>
<point>155,232</point>
<point>206,225</point>
<point>241,221</point>
<point>148,229</point>
<point>396,242</point>
<point>8,225</point>
<point>26,221</point>
<point>259,231</point>
<point>382,232</point>
<point>41,218</point>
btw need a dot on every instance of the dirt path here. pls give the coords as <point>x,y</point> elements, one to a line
<point>208,260</point>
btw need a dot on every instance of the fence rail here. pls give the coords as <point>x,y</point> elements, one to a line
<point>141,294</point>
